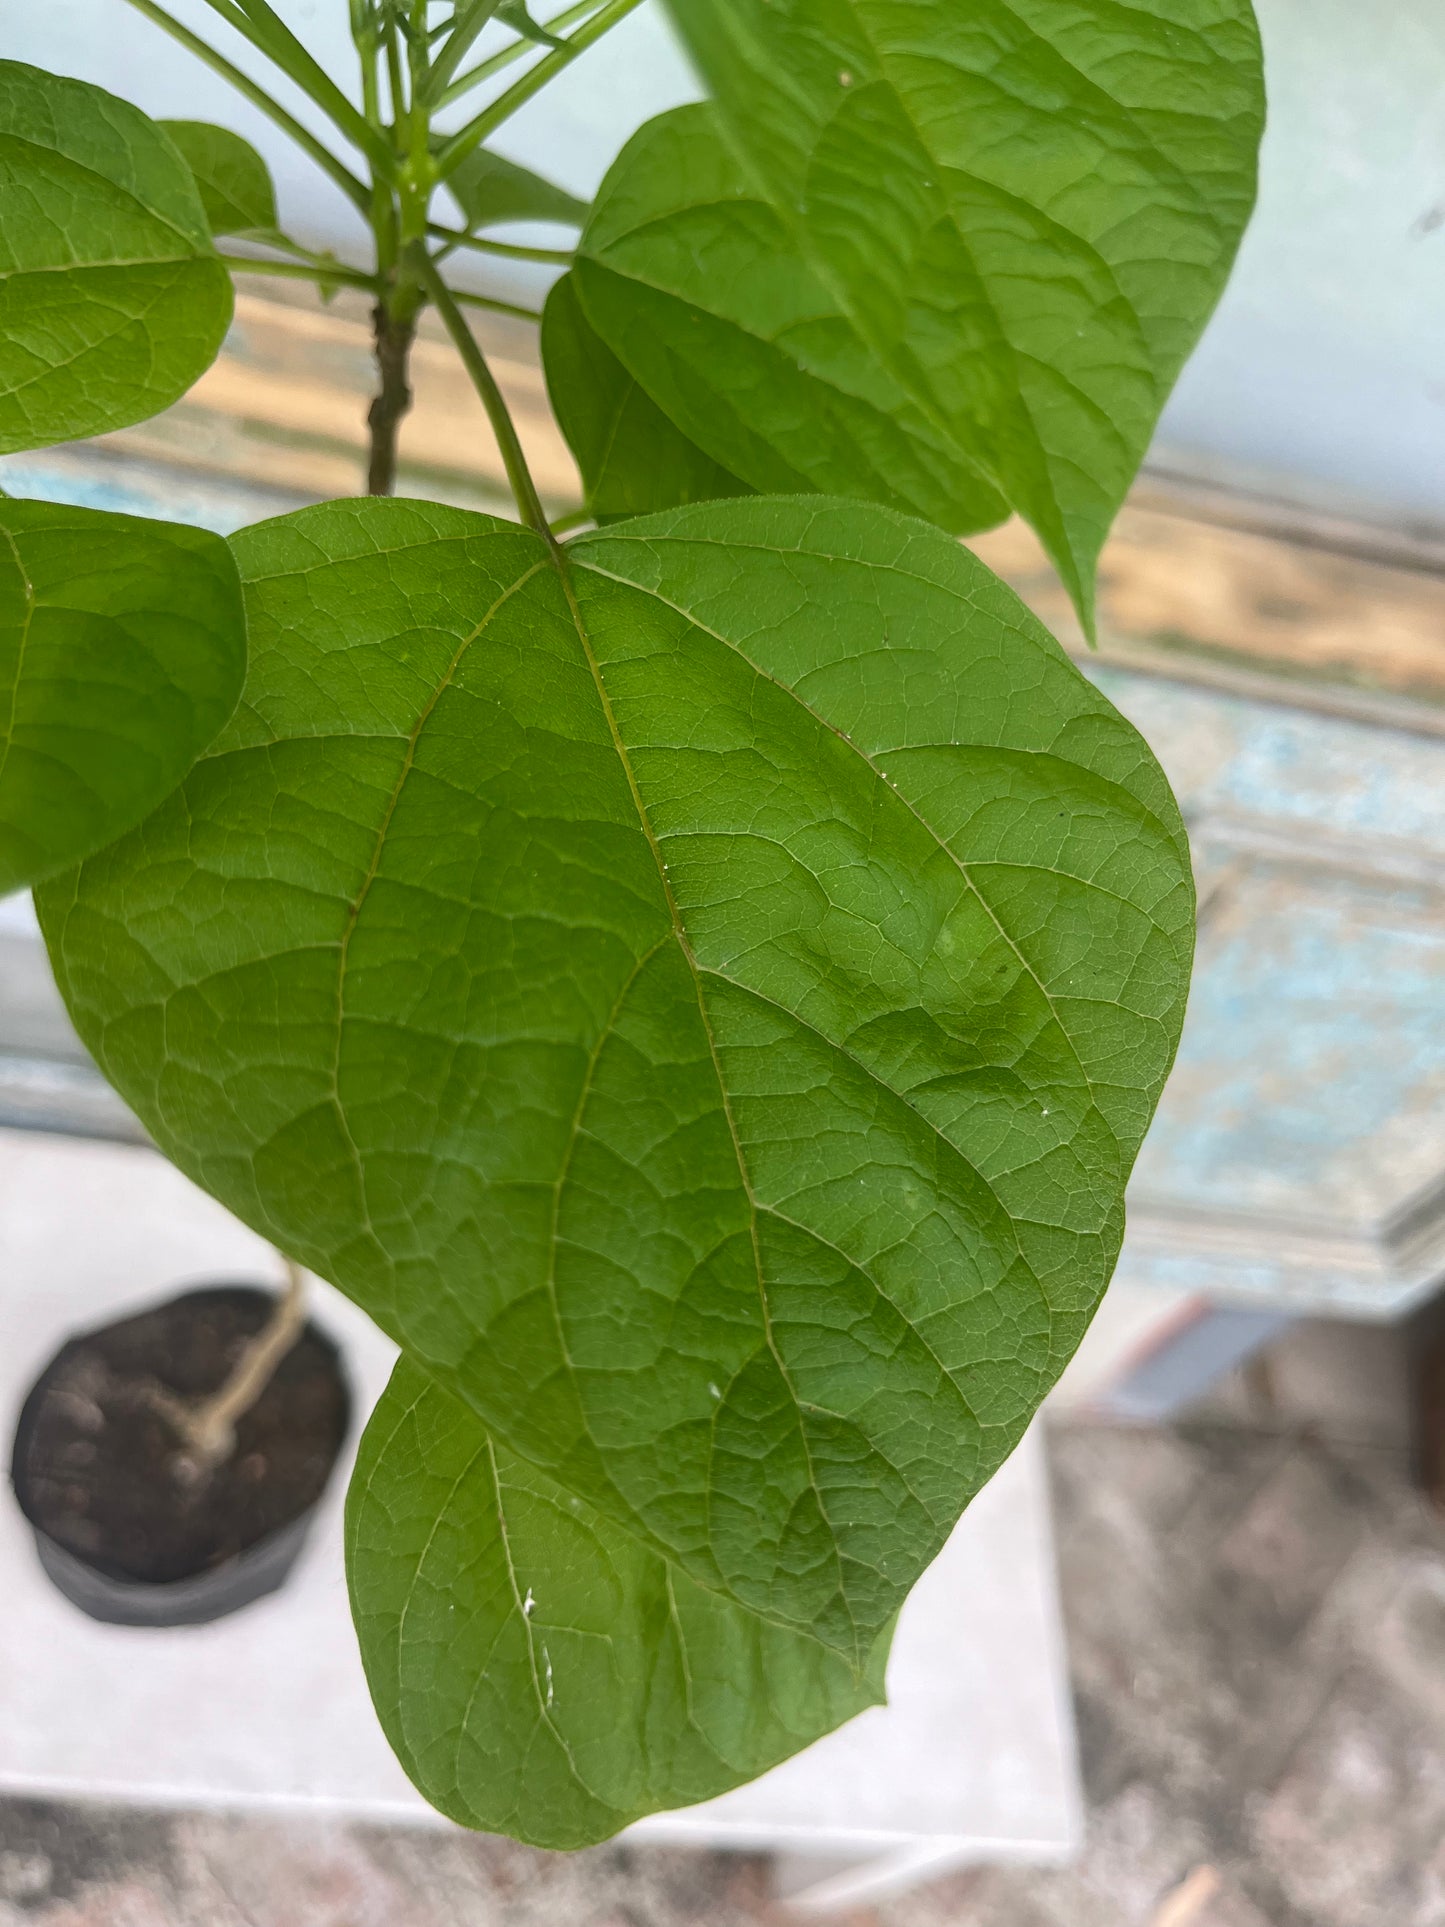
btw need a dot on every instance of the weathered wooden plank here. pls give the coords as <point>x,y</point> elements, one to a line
<point>1192,588</point>
<point>285,405</point>
<point>1205,576</point>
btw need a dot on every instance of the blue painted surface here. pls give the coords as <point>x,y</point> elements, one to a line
<point>1299,1151</point>
<point>1314,1034</point>
<point>1287,766</point>
<point>128,487</point>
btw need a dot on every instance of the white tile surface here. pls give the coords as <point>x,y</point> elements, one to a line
<point>972,1759</point>
<point>266,1707</point>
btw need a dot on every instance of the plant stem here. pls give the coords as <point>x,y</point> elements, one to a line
<point>207,1427</point>
<point>458,238</point>
<point>418,174</point>
<point>532,82</point>
<point>524,489</point>
<point>394,335</point>
<point>363,38</point>
<point>299,270</point>
<point>354,189</point>
<point>469,300</point>
<point>514,51</point>
<point>395,82</point>
<point>259,23</point>
<point>215,1422</point>
<point>467,25</point>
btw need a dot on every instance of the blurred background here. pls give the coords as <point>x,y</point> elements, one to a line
<point>1195,1670</point>
<point>1321,371</point>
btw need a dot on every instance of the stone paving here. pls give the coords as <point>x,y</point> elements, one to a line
<point>1256,1610</point>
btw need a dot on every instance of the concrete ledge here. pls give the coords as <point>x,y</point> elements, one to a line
<point>972,1761</point>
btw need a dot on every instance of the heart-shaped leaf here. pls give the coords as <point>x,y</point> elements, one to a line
<point>233,181</point>
<point>1024,212</point>
<point>701,991</point>
<point>632,459</point>
<point>122,650</point>
<point>538,1672</point>
<point>112,299</point>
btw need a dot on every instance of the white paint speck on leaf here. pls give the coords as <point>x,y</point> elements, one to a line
<point>548,1658</point>
<point>528,1604</point>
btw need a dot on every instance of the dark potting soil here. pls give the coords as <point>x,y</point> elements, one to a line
<point>96,1465</point>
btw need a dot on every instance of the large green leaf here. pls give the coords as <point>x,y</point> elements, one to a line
<point>702,995</point>
<point>112,299</point>
<point>540,1673</point>
<point>631,457</point>
<point>122,650</point>
<point>1025,210</point>
<point>695,285</point>
<point>233,181</point>
<point>491,190</point>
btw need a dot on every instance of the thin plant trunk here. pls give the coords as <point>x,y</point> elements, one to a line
<point>393,399</point>
<point>206,1427</point>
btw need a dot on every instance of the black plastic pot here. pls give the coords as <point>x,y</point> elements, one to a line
<point>94,1463</point>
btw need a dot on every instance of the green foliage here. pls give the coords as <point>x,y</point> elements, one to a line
<point>233,181</point>
<point>999,227</point>
<point>701,996</point>
<point>491,190</point>
<point>514,14</point>
<point>702,988</point>
<point>112,300</point>
<point>631,457</point>
<point>122,649</point>
<point>537,1670</point>
<point>695,286</point>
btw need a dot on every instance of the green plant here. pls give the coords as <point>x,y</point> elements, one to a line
<point>701,985</point>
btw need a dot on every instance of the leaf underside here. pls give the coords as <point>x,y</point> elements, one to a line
<point>949,256</point>
<point>122,650</point>
<point>491,190</point>
<point>703,998</point>
<point>112,299</point>
<point>695,286</point>
<point>232,179</point>
<point>632,459</point>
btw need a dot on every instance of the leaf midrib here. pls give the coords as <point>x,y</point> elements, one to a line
<point>34,272</point>
<point>978,458</point>
<point>944,443</point>
<point>1016,352</point>
<point>560,563</point>
<point>563,563</point>
<point>365,1491</point>
<point>544,1711</point>
<point>941,842</point>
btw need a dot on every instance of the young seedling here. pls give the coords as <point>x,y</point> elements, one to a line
<point>205,1428</point>
<point>700,985</point>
